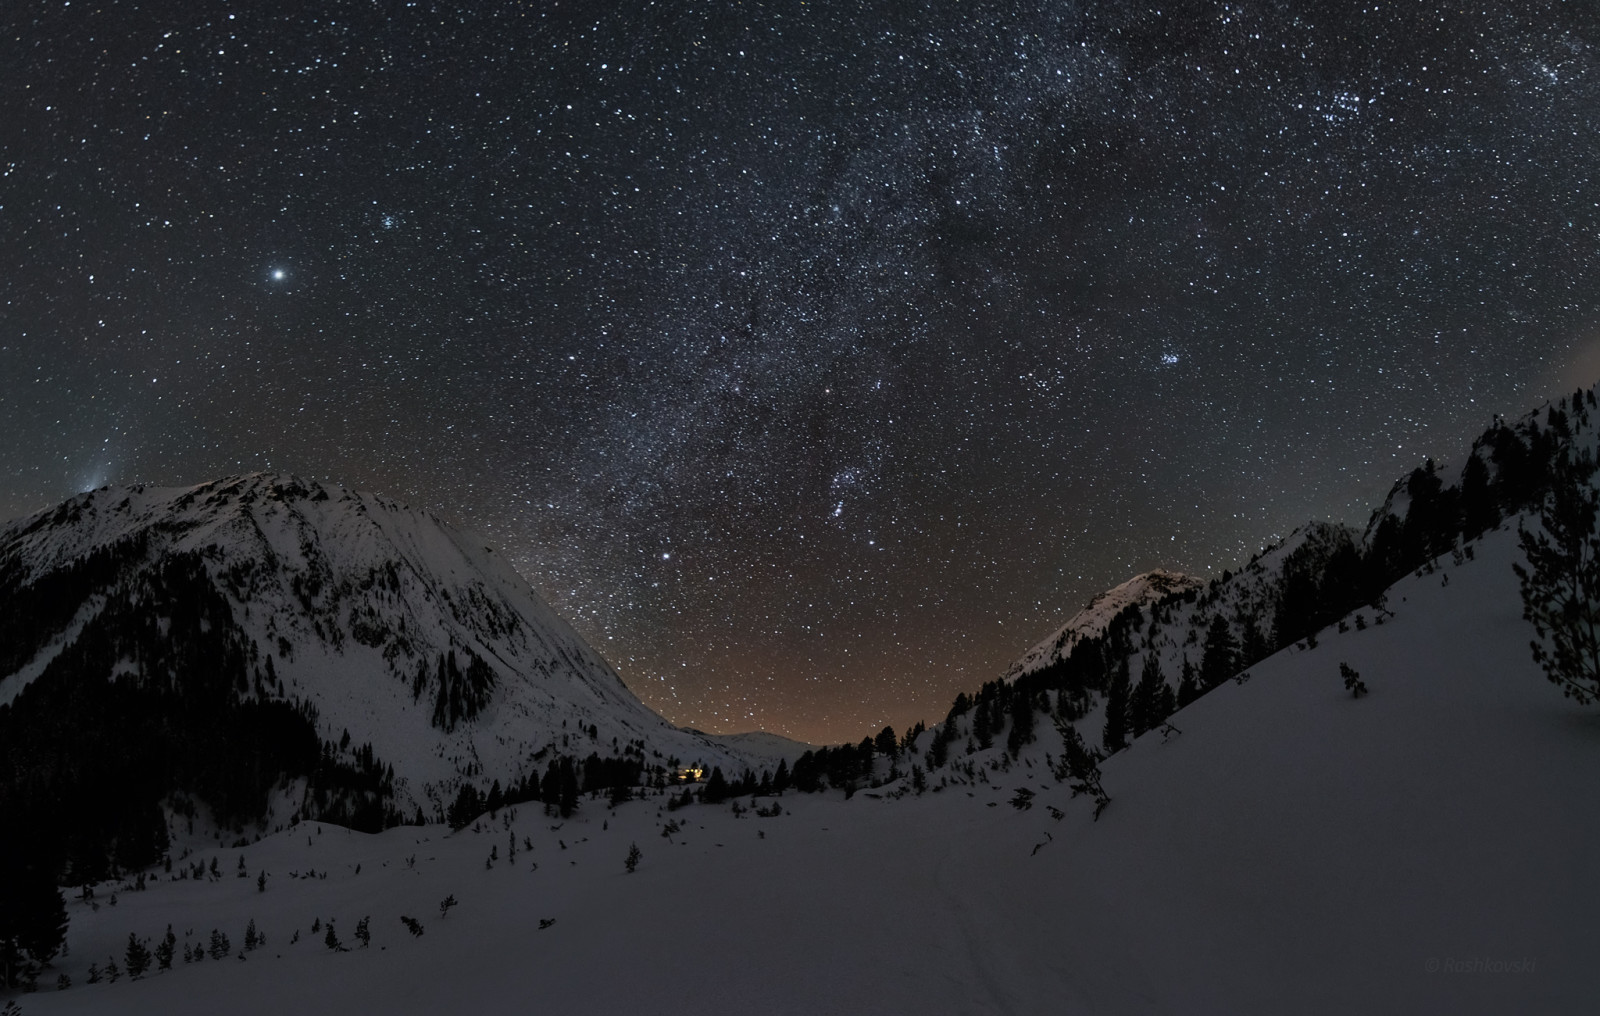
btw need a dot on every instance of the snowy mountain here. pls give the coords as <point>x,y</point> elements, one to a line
<point>1159,641</point>
<point>1093,620</point>
<point>1428,847</point>
<point>290,615</point>
<point>1361,795</point>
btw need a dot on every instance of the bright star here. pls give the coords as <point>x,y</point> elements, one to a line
<point>278,275</point>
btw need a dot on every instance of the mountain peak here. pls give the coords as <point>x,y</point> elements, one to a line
<point>381,622</point>
<point>1148,587</point>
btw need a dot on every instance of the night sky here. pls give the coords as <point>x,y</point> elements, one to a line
<point>813,359</point>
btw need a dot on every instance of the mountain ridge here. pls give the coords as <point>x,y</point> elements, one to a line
<point>408,644</point>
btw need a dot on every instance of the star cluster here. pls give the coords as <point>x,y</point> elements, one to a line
<point>813,359</point>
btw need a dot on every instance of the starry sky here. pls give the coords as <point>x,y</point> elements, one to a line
<point>813,359</point>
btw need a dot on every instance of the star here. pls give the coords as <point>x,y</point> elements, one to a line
<point>999,304</point>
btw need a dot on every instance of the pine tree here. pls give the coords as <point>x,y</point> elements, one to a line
<point>1146,707</point>
<point>1080,764</point>
<point>908,740</point>
<point>252,937</point>
<point>1165,705</point>
<point>364,931</point>
<point>939,746</point>
<point>633,858</point>
<point>885,743</point>
<point>1188,689</point>
<point>167,948</point>
<point>1021,732</point>
<point>1219,660</point>
<point>1115,735</point>
<point>136,957</point>
<point>1561,584</point>
<point>33,915</point>
<point>569,788</point>
<point>1352,681</point>
<point>1426,515</point>
<point>1478,510</point>
<point>1253,645</point>
<point>716,787</point>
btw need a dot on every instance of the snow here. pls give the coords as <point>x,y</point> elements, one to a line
<point>1093,619</point>
<point>1429,847</point>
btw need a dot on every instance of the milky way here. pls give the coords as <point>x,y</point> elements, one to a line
<point>813,359</point>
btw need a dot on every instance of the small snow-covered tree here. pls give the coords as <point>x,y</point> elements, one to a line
<point>634,856</point>
<point>1352,681</point>
<point>166,949</point>
<point>136,957</point>
<point>1561,583</point>
<point>1080,764</point>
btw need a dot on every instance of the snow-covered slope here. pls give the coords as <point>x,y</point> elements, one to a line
<point>1428,848</point>
<point>1164,616</point>
<point>1092,620</point>
<point>399,629</point>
